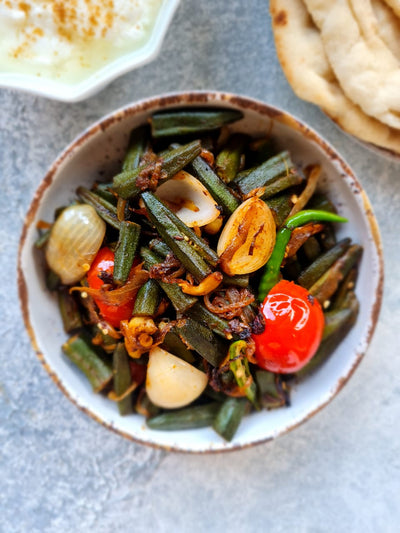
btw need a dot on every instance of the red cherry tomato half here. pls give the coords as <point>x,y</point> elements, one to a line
<point>101,269</point>
<point>294,322</point>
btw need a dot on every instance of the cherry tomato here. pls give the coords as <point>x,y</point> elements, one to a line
<point>101,269</point>
<point>294,322</point>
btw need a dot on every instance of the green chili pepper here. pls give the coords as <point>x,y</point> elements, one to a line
<point>270,276</point>
<point>239,366</point>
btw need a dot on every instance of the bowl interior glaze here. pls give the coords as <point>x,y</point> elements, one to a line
<point>97,154</point>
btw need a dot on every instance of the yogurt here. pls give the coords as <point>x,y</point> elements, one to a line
<point>69,40</point>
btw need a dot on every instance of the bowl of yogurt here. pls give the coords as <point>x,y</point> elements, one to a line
<point>70,50</point>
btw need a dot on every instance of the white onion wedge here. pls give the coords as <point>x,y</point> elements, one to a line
<point>75,239</point>
<point>248,238</point>
<point>188,199</point>
<point>171,382</point>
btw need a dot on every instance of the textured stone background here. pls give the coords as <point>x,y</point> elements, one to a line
<point>61,472</point>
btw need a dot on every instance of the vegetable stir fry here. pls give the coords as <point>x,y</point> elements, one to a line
<point>204,279</point>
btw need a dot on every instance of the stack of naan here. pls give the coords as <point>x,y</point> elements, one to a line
<point>344,56</point>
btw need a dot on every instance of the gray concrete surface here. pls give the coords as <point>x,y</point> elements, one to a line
<point>62,472</point>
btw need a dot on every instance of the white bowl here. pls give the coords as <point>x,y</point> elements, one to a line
<point>99,79</point>
<point>98,151</point>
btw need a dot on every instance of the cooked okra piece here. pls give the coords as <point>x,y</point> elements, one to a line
<point>147,299</point>
<point>229,416</point>
<point>87,360</point>
<point>325,287</point>
<point>267,172</point>
<point>187,254</point>
<point>229,159</point>
<point>334,333</point>
<point>173,343</point>
<point>186,233</point>
<point>313,272</point>
<point>175,123</point>
<point>137,146</point>
<point>281,184</point>
<point>272,391</point>
<point>124,184</point>
<point>345,288</point>
<point>199,416</point>
<point>69,311</point>
<point>202,340</point>
<point>129,233</point>
<point>159,247</point>
<point>106,210</point>
<point>122,379</point>
<point>181,301</point>
<point>280,207</point>
<point>216,187</point>
<point>217,324</point>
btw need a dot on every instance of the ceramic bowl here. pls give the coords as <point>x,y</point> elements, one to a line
<point>98,152</point>
<point>95,81</point>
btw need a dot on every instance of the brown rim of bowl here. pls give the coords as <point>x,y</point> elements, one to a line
<point>190,98</point>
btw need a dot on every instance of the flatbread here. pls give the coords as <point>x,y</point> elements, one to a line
<point>395,5</point>
<point>304,62</point>
<point>387,25</point>
<point>367,71</point>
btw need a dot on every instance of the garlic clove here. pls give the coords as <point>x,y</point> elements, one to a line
<point>75,239</point>
<point>247,239</point>
<point>188,199</point>
<point>171,382</point>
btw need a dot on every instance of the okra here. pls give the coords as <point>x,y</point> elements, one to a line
<point>199,416</point>
<point>215,186</point>
<point>173,344</point>
<point>106,210</point>
<point>122,379</point>
<point>259,151</point>
<point>53,280</point>
<point>229,416</point>
<point>311,249</point>
<point>200,313</point>
<point>313,272</point>
<point>159,247</point>
<point>321,202</point>
<point>202,340</point>
<point>181,301</point>
<point>272,169</point>
<point>346,286</point>
<point>129,234</point>
<point>325,287</point>
<point>272,391</point>
<point>124,184</point>
<point>171,234</point>
<point>337,318</point>
<point>328,237</point>
<point>281,184</point>
<point>41,241</point>
<point>240,280</point>
<point>331,340</point>
<point>104,190</point>
<point>147,299</point>
<point>280,207</point>
<point>69,311</point>
<point>87,360</point>
<point>137,146</point>
<point>199,244</point>
<point>229,159</point>
<point>176,123</point>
